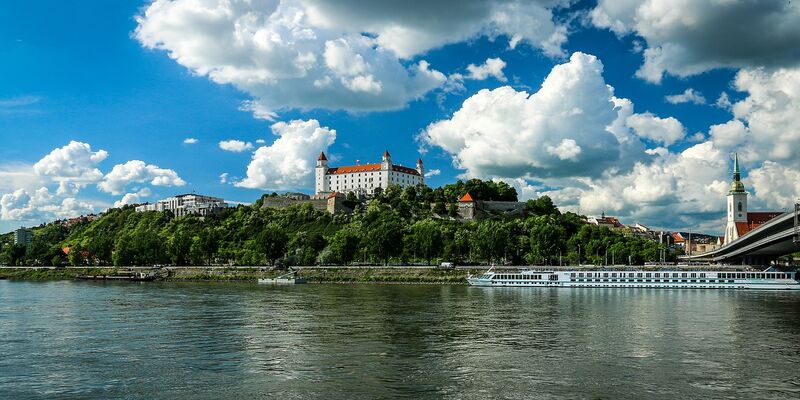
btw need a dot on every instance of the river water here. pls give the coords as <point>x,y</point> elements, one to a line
<point>197,340</point>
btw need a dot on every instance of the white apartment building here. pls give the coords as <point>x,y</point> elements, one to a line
<point>23,236</point>
<point>364,179</point>
<point>185,204</point>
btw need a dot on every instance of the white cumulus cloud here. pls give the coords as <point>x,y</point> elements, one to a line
<point>688,37</point>
<point>190,141</point>
<point>568,149</point>
<point>41,204</point>
<point>688,96</point>
<point>569,127</point>
<point>666,130</point>
<point>288,162</point>
<point>432,172</point>
<point>343,55</point>
<point>236,146</point>
<point>133,197</point>
<point>136,171</point>
<point>492,67</point>
<point>74,164</point>
<point>766,124</point>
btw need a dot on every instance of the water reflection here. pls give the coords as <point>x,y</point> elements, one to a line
<point>178,340</point>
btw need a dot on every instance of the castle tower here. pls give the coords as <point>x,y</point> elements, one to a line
<point>386,161</point>
<point>320,172</point>
<point>737,203</point>
<point>421,169</point>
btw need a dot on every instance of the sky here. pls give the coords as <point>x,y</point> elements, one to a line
<point>629,108</point>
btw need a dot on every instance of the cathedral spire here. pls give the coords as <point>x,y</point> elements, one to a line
<point>736,186</point>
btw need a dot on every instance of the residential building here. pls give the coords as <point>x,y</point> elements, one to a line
<point>610,222</point>
<point>364,179</point>
<point>186,204</point>
<point>23,236</point>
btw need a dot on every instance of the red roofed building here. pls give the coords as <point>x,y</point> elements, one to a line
<point>740,221</point>
<point>365,178</point>
<point>610,222</point>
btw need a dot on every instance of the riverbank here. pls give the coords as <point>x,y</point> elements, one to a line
<point>311,275</point>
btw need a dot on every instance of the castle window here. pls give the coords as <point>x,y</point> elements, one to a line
<point>740,206</point>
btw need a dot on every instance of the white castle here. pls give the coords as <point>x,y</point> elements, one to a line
<point>364,179</point>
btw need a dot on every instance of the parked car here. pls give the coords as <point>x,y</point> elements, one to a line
<point>446,265</point>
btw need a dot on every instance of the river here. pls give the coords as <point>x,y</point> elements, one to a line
<point>66,339</point>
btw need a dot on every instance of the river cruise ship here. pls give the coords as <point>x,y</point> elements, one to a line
<point>639,279</point>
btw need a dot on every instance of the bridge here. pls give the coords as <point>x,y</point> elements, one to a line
<point>777,237</point>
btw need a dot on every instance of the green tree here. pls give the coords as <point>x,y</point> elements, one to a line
<point>179,247</point>
<point>542,206</point>
<point>272,242</point>
<point>343,247</point>
<point>76,256</point>
<point>439,208</point>
<point>489,240</point>
<point>426,238</point>
<point>547,240</point>
<point>384,237</point>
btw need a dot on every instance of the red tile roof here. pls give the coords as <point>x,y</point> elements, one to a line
<point>466,199</point>
<point>405,170</point>
<point>350,169</point>
<point>754,220</point>
<point>762,217</point>
<point>322,156</point>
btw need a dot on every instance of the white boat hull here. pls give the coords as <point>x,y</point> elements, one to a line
<point>639,279</point>
<point>281,281</point>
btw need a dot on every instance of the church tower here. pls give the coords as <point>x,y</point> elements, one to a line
<point>320,172</point>
<point>737,203</point>
<point>421,170</point>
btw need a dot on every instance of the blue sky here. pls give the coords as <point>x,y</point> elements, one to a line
<point>128,82</point>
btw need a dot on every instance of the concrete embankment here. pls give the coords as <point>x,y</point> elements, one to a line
<point>251,274</point>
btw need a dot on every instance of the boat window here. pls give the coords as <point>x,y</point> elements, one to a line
<point>694,275</point>
<point>683,275</point>
<point>647,275</point>
<point>605,275</point>
<point>639,275</point>
<point>658,275</point>
<point>580,275</point>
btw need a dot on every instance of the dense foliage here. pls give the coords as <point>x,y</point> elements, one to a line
<point>397,226</point>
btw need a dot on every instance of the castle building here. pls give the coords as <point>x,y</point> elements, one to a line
<point>740,221</point>
<point>364,179</point>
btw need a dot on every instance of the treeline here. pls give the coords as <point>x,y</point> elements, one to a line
<point>397,226</point>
